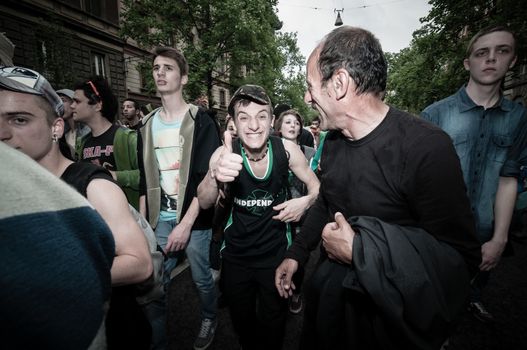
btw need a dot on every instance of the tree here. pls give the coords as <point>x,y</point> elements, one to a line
<point>431,68</point>
<point>53,54</point>
<point>291,84</point>
<point>423,73</point>
<point>228,40</point>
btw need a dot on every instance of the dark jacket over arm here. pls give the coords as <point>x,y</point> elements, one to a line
<point>418,284</point>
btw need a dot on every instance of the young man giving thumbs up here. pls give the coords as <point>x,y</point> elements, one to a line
<point>257,233</point>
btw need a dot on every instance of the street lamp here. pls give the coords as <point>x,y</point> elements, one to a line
<point>338,21</point>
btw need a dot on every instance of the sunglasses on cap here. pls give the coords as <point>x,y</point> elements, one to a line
<point>94,89</point>
<point>25,80</point>
<point>22,75</point>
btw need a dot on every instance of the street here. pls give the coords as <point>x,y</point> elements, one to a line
<point>505,297</point>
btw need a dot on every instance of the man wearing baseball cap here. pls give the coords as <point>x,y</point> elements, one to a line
<point>28,81</point>
<point>72,130</point>
<point>32,125</point>
<point>256,166</point>
<point>55,247</point>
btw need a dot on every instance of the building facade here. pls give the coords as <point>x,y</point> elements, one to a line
<point>71,40</point>
<point>67,41</point>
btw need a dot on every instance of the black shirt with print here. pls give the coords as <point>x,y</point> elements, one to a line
<point>99,149</point>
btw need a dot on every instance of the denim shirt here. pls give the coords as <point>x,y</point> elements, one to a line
<point>482,138</point>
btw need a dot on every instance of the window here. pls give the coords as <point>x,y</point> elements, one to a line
<point>222,64</point>
<point>105,9</point>
<point>46,59</point>
<point>74,3</point>
<point>43,55</point>
<point>147,80</point>
<point>111,11</point>
<point>223,100</point>
<point>52,55</point>
<point>98,64</point>
<point>94,7</point>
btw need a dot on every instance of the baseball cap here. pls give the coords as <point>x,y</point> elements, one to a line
<point>66,92</point>
<point>252,93</point>
<point>28,81</point>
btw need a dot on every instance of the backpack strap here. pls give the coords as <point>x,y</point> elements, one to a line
<point>281,157</point>
<point>236,146</point>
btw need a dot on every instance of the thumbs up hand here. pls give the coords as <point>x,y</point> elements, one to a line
<point>227,142</point>
<point>337,239</point>
<point>228,165</point>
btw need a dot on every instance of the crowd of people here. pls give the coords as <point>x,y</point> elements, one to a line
<point>411,214</point>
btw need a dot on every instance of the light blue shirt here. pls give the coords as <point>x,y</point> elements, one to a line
<point>482,138</point>
<point>167,148</point>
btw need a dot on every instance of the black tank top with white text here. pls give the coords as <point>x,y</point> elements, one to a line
<point>252,237</point>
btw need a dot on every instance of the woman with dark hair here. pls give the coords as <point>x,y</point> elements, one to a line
<point>230,127</point>
<point>289,126</point>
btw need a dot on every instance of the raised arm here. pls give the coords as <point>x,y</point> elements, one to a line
<point>132,263</point>
<point>300,167</point>
<point>294,209</point>
<point>224,166</point>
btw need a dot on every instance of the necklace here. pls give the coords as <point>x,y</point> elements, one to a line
<point>262,156</point>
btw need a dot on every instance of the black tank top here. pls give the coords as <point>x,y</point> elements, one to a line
<point>252,237</point>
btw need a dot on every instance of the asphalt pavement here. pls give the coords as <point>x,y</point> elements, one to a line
<point>505,298</point>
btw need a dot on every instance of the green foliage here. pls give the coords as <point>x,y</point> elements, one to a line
<point>223,40</point>
<point>53,56</point>
<point>291,87</point>
<point>145,70</point>
<point>431,68</point>
<point>424,73</point>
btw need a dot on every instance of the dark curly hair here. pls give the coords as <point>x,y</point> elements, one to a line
<point>97,89</point>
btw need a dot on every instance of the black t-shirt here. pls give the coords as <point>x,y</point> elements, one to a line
<point>99,149</point>
<point>252,237</point>
<point>404,172</point>
<point>79,175</point>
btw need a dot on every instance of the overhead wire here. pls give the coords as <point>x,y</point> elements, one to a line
<point>284,3</point>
